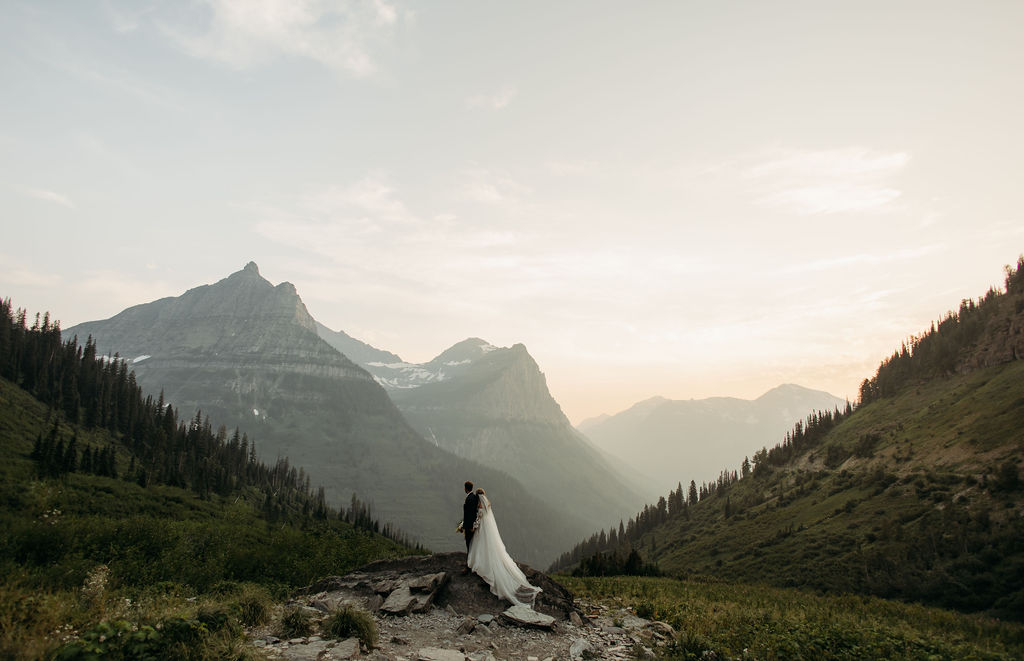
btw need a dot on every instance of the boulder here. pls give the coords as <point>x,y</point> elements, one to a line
<point>466,626</point>
<point>426,582</point>
<point>346,649</point>
<point>404,601</point>
<point>525,616</point>
<point>662,628</point>
<point>578,648</point>
<point>438,654</point>
<point>304,651</point>
<point>431,580</point>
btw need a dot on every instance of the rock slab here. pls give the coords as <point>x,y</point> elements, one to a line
<point>527,617</point>
<point>439,654</point>
<point>578,647</point>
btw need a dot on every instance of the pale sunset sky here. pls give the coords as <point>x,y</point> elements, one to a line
<point>685,199</point>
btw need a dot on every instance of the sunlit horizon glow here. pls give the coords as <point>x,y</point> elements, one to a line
<point>686,201</point>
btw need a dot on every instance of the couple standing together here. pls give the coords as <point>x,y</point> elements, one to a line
<point>486,554</point>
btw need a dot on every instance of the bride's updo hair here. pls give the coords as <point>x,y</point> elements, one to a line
<point>480,492</point>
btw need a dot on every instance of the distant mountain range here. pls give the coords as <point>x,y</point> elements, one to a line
<point>405,436</point>
<point>917,492</point>
<point>675,441</point>
<point>248,354</point>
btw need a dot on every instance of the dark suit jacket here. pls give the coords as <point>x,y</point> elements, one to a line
<point>469,511</point>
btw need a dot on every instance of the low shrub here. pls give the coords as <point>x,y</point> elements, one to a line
<point>349,621</point>
<point>253,606</point>
<point>296,623</point>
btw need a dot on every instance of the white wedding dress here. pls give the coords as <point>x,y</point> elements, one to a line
<point>489,559</point>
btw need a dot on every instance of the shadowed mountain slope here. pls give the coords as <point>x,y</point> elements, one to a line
<point>492,405</point>
<point>247,353</point>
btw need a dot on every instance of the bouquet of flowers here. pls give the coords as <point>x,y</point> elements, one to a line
<point>458,528</point>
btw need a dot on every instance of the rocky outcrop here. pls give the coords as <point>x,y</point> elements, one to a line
<point>1003,338</point>
<point>592,630</point>
<point>415,584</point>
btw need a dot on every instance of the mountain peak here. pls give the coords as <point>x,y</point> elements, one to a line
<point>465,351</point>
<point>248,276</point>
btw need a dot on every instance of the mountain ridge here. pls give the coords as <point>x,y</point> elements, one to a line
<point>492,405</point>
<point>248,353</point>
<point>658,436</point>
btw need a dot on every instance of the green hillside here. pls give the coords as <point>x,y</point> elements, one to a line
<point>58,529</point>
<point>914,494</point>
<point>165,523</point>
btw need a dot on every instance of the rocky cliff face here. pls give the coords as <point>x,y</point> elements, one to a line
<point>247,354</point>
<point>1003,338</point>
<point>676,441</point>
<point>492,405</point>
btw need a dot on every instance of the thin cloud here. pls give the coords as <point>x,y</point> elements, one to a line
<point>571,168</point>
<point>16,272</point>
<point>373,198</point>
<point>50,196</point>
<point>851,180</point>
<point>497,100</point>
<point>245,34</point>
<point>863,259</point>
<point>487,187</point>
<point>853,161</point>
<point>840,198</point>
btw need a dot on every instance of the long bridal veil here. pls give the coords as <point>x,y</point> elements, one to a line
<point>489,559</point>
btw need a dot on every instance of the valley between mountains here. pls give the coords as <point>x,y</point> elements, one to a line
<point>172,475</point>
<point>403,437</point>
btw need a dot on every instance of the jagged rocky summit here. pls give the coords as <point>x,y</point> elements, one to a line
<point>492,405</point>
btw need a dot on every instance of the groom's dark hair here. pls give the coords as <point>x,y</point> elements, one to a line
<point>469,486</point>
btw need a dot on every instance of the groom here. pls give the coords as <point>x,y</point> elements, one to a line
<point>469,513</point>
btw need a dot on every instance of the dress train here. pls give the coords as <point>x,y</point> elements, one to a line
<point>489,559</point>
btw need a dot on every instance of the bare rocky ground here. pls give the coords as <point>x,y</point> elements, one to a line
<point>426,609</point>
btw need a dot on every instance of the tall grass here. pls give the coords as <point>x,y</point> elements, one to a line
<point>760,622</point>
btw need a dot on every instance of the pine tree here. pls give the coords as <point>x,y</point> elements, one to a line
<point>69,462</point>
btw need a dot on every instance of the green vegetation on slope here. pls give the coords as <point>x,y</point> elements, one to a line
<point>154,546</point>
<point>719,620</point>
<point>922,515</point>
<point>915,494</point>
<point>169,521</point>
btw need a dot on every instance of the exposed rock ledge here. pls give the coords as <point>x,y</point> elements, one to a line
<point>414,584</point>
<point>451,616</point>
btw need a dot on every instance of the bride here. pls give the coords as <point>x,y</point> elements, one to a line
<point>488,558</point>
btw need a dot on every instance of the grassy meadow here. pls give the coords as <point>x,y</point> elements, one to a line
<point>720,620</point>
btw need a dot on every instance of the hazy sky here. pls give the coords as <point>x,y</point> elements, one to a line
<point>685,198</point>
